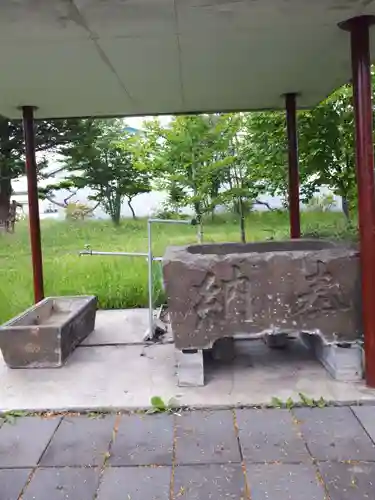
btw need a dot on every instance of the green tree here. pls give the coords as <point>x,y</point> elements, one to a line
<point>326,148</point>
<point>103,160</point>
<point>237,182</point>
<point>266,144</point>
<point>184,157</point>
<point>50,136</point>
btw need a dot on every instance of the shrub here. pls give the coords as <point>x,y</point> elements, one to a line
<point>77,211</point>
<point>339,231</point>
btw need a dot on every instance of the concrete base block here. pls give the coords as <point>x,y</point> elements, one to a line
<point>344,362</point>
<point>190,368</point>
<point>276,340</point>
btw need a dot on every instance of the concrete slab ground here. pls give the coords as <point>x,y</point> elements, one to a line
<point>114,370</point>
<point>121,327</point>
<point>257,454</point>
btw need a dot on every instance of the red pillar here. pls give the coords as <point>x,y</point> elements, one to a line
<point>291,125</point>
<point>359,32</point>
<point>32,190</point>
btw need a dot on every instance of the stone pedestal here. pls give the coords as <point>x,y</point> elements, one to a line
<point>343,361</point>
<point>45,335</point>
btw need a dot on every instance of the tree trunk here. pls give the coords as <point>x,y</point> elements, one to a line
<point>5,177</point>
<point>213,214</point>
<point>116,210</point>
<point>131,208</point>
<point>5,195</point>
<point>200,232</point>
<point>242,220</point>
<point>115,219</point>
<point>345,207</point>
<point>197,209</point>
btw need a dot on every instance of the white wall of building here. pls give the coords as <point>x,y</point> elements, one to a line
<point>145,204</point>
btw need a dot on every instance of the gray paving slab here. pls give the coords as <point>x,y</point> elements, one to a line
<point>334,434</point>
<point>79,441</point>
<point>135,483</point>
<point>217,482</point>
<point>12,482</point>
<point>206,437</point>
<point>366,415</point>
<point>284,482</point>
<point>355,481</point>
<point>143,440</point>
<point>23,441</point>
<point>68,483</point>
<point>269,435</point>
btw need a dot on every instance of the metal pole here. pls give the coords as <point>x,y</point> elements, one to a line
<point>150,298</point>
<point>150,260</point>
<point>32,190</point>
<point>291,124</point>
<point>360,48</point>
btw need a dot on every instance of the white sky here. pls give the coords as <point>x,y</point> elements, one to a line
<point>137,121</point>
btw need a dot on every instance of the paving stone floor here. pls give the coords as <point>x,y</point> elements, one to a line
<point>269,454</point>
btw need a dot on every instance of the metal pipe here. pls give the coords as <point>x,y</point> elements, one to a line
<point>119,254</point>
<point>172,221</point>
<point>32,190</point>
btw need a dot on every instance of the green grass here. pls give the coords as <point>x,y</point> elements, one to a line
<point>117,281</point>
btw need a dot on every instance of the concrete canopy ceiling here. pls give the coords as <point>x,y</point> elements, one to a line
<point>142,57</point>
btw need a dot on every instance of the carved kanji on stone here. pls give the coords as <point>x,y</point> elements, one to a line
<point>324,295</point>
<point>225,299</point>
<point>238,296</point>
<point>210,303</point>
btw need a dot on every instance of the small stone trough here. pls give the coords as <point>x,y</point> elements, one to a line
<point>216,291</point>
<point>44,335</point>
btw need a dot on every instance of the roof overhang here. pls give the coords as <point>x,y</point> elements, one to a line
<point>143,57</point>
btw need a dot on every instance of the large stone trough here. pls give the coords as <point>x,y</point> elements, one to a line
<point>221,290</point>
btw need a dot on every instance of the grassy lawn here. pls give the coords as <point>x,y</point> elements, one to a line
<point>117,281</point>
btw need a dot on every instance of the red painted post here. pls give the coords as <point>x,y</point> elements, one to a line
<point>359,31</point>
<point>291,125</point>
<point>32,190</point>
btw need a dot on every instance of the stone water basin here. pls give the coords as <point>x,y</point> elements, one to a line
<point>221,290</point>
<point>44,335</point>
